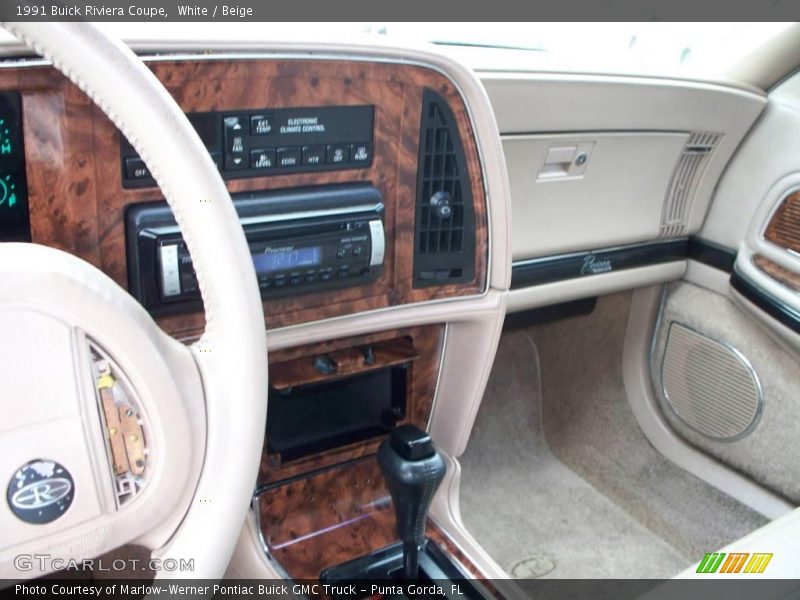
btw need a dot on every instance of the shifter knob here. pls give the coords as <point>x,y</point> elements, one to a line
<point>413,470</point>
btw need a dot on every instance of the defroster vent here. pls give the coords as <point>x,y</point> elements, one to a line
<point>445,220</point>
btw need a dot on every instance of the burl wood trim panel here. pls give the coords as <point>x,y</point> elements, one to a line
<point>347,362</point>
<point>784,228</point>
<point>77,201</point>
<point>335,516</point>
<point>422,374</point>
<point>57,121</point>
<point>788,278</point>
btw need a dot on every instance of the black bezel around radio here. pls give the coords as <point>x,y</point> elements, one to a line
<point>303,240</point>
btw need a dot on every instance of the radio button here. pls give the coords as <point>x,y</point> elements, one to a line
<point>338,154</point>
<point>260,124</point>
<point>378,243</point>
<point>136,169</point>
<point>188,283</point>
<point>262,159</point>
<point>313,155</point>
<point>234,143</point>
<point>361,153</point>
<point>288,157</point>
<point>170,272</point>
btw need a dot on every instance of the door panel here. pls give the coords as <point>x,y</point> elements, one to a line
<point>724,363</point>
<point>716,394</point>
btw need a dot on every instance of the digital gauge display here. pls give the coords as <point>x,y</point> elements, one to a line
<point>279,259</point>
<point>14,219</point>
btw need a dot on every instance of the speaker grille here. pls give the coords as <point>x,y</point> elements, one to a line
<point>710,386</point>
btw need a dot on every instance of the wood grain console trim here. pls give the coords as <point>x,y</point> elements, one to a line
<point>788,278</point>
<point>324,520</point>
<point>784,227</point>
<point>422,377</point>
<point>345,362</point>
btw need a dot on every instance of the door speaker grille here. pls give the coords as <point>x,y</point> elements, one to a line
<point>710,386</point>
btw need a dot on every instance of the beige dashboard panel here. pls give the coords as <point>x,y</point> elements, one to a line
<point>537,104</point>
<point>583,191</point>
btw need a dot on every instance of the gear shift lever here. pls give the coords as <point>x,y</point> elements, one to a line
<point>413,470</point>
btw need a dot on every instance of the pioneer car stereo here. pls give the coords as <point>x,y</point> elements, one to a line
<point>302,240</point>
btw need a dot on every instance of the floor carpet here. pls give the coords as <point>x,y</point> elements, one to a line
<point>558,479</point>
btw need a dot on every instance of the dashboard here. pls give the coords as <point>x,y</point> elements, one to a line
<point>300,135</point>
<point>375,199</point>
<point>362,182</point>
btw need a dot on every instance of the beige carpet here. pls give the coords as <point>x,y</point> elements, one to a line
<point>559,481</point>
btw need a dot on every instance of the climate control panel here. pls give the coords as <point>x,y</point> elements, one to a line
<point>255,143</point>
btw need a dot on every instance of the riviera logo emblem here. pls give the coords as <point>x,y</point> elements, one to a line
<point>40,492</point>
<point>594,265</point>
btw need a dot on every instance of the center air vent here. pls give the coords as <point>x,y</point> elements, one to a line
<point>445,222</point>
<point>683,185</point>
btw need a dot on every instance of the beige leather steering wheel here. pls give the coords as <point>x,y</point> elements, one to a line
<point>83,365</point>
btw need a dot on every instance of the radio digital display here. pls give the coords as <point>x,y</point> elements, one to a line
<point>289,258</point>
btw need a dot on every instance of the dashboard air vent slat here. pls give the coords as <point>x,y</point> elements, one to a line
<point>683,185</point>
<point>445,230</point>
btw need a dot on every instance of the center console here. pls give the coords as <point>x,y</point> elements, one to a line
<point>334,494</point>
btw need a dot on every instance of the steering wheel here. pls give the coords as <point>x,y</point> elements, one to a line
<point>113,432</point>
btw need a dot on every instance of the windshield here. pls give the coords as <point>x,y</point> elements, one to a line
<point>657,48</point>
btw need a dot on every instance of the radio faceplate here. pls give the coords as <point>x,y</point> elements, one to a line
<point>302,240</point>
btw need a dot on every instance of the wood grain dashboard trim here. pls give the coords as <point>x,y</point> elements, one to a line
<point>784,276</point>
<point>783,228</point>
<point>77,201</point>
